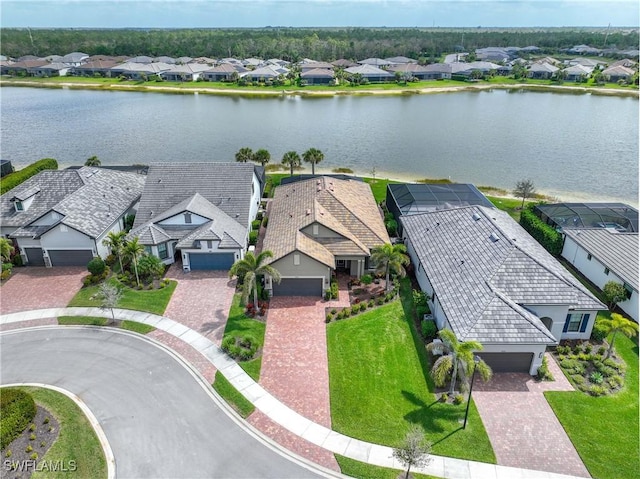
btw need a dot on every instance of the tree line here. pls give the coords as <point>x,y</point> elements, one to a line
<point>293,44</point>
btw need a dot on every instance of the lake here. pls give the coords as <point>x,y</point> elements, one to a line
<point>574,146</point>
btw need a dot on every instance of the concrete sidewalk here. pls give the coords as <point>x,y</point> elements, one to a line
<point>444,467</point>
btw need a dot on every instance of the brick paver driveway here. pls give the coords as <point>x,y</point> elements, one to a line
<point>522,427</point>
<point>201,300</point>
<point>35,287</point>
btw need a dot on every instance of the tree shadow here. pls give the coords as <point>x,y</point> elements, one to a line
<point>434,420</point>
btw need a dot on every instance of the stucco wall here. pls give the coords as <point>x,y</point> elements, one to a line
<point>56,238</point>
<point>308,268</point>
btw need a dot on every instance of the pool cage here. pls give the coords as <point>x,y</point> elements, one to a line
<point>617,216</point>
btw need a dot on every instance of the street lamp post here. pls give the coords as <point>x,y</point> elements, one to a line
<point>476,360</point>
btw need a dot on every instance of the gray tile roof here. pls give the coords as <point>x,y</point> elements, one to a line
<point>485,270</point>
<point>617,251</point>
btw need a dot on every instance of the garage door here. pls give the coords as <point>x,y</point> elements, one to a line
<point>508,362</point>
<point>70,257</point>
<point>211,260</point>
<point>298,287</point>
<point>34,256</point>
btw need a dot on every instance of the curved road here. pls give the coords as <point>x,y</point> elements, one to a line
<point>159,419</point>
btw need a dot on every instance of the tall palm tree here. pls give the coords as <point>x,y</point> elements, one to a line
<point>291,159</point>
<point>262,156</point>
<point>249,268</point>
<point>134,250</point>
<point>244,154</point>
<point>618,324</point>
<point>387,258</point>
<point>6,249</point>
<point>93,161</point>
<point>313,156</point>
<point>115,242</point>
<point>458,361</point>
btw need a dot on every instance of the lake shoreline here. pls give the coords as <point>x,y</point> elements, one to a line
<point>328,93</point>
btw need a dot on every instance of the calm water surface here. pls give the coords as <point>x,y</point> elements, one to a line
<point>572,146</point>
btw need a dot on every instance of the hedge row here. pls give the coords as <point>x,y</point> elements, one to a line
<point>546,235</point>
<point>17,177</point>
<point>17,410</point>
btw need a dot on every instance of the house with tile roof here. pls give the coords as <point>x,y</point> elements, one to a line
<point>198,213</point>
<point>542,70</point>
<point>488,280</point>
<point>60,218</point>
<point>603,255</point>
<point>318,226</point>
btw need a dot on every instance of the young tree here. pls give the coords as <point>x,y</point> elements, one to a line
<point>248,269</point>
<point>262,156</point>
<point>115,242</point>
<point>134,250</point>
<point>458,360</point>
<point>6,250</point>
<point>618,324</point>
<point>110,295</point>
<point>150,267</point>
<point>93,161</point>
<point>614,293</point>
<point>524,189</point>
<point>291,159</point>
<point>387,258</point>
<point>414,451</point>
<point>313,156</point>
<point>244,155</point>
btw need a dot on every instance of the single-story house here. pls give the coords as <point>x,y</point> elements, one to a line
<point>184,72</point>
<point>22,66</point>
<point>89,69</point>
<point>318,226</point>
<point>75,59</point>
<point>577,73</point>
<point>224,72</point>
<point>304,67</point>
<point>50,70</point>
<point>375,62</point>
<point>411,70</point>
<point>200,213</point>
<point>542,71</point>
<point>489,281</point>
<point>617,73</point>
<point>400,60</point>
<point>318,76</point>
<point>269,72</point>
<point>603,255</point>
<point>136,71</point>
<point>372,73</point>
<point>60,218</point>
<point>438,71</point>
<point>343,63</point>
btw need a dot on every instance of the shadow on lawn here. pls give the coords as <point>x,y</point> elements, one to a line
<point>434,421</point>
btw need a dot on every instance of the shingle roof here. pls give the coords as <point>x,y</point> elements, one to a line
<point>484,270</point>
<point>617,251</point>
<point>318,73</point>
<point>367,70</point>
<point>344,206</point>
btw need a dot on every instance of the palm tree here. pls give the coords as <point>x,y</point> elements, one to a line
<point>249,268</point>
<point>244,154</point>
<point>6,249</point>
<point>618,324</point>
<point>115,242</point>
<point>262,156</point>
<point>313,156</point>
<point>134,250</point>
<point>291,159</point>
<point>387,258</point>
<point>458,361</point>
<point>93,161</point>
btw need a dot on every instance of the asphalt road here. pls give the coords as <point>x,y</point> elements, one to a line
<point>159,420</point>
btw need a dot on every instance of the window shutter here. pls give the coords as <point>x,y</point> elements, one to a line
<point>585,321</point>
<point>566,324</point>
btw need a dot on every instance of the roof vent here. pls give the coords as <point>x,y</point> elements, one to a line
<point>159,180</point>
<point>476,217</point>
<point>308,212</point>
<point>494,237</point>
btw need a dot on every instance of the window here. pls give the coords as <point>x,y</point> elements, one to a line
<point>589,257</point>
<point>315,230</point>
<point>162,251</point>
<point>209,244</point>
<point>629,290</point>
<point>606,271</point>
<point>576,322</point>
<point>187,218</point>
<point>296,260</point>
<point>147,249</point>
<point>19,206</point>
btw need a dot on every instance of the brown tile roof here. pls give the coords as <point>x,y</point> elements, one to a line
<point>346,207</point>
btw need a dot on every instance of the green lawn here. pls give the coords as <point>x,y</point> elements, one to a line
<point>232,396</point>
<point>134,326</point>
<point>379,385</point>
<point>604,430</point>
<point>153,301</point>
<point>76,442</point>
<point>241,325</point>
<point>362,470</point>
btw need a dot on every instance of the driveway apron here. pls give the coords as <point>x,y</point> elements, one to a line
<point>522,427</point>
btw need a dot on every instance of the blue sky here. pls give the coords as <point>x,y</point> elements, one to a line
<point>317,13</point>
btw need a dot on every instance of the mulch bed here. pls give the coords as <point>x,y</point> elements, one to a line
<point>45,435</point>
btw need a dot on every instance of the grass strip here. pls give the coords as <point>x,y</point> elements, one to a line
<point>230,394</point>
<point>362,470</point>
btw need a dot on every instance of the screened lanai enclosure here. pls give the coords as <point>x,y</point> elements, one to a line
<point>617,216</point>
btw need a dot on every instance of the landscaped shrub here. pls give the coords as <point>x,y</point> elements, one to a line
<point>253,237</point>
<point>328,318</point>
<point>265,221</point>
<point>366,279</point>
<point>598,333</point>
<point>615,381</point>
<point>111,260</point>
<point>563,349</point>
<point>334,290</point>
<point>543,371</point>
<point>429,329</point>
<point>597,390</point>
<point>546,235</point>
<point>17,177</point>
<point>458,399</point>
<point>255,225</point>
<point>242,348</point>
<point>96,266</point>
<point>17,410</point>
<point>578,379</point>
<point>596,377</point>
<point>363,306</point>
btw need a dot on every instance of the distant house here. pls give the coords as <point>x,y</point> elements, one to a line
<point>141,59</point>
<point>487,280</point>
<point>411,70</point>
<point>542,71</point>
<point>49,70</point>
<point>224,72</point>
<point>466,69</point>
<point>136,71</point>
<point>318,76</point>
<point>604,255</point>
<point>400,60</point>
<point>75,59</point>
<point>89,69</point>
<point>318,226</point>
<point>23,66</point>
<point>617,73</point>
<point>253,62</point>
<point>60,218</point>
<point>438,71</point>
<point>342,63</point>
<point>165,59</point>
<point>304,67</point>
<point>199,213</point>
<point>371,73</point>
<point>184,72</point>
<point>269,72</point>
<point>376,62</point>
<point>577,73</point>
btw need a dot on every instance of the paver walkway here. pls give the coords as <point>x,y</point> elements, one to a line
<point>522,427</point>
<point>55,287</point>
<point>201,300</point>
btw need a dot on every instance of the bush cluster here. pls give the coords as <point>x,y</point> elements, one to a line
<point>546,235</point>
<point>242,348</point>
<point>255,225</point>
<point>17,410</point>
<point>14,179</point>
<point>253,237</point>
<point>429,330</point>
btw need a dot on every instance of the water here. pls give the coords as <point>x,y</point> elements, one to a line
<point>577,147</point>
